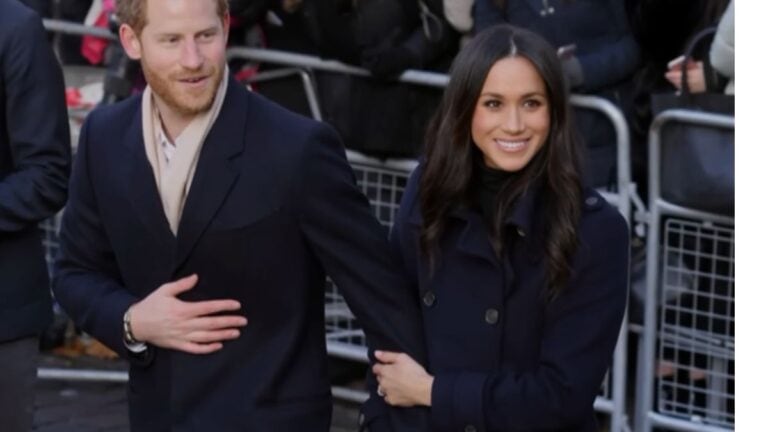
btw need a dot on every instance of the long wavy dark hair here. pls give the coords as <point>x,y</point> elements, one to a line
<point>450,153</point>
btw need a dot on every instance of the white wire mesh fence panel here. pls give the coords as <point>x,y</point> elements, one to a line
<point>50,232</point>
<point>695,372</point>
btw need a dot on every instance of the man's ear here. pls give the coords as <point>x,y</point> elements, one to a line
<point>130,41</point>
<point>225,25</point>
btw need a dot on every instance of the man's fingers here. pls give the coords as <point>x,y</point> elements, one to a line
<point>213,336</point>
<point>180,285</point>
<point>210,307</point>
<point>378,368</point>
<point>217,322</point>
<point>197,348</point>
<point>386,356</point>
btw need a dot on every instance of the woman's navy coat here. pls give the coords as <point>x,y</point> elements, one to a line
<point>503,358</point>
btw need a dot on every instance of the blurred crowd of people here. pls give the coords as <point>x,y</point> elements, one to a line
<point>616,49</point>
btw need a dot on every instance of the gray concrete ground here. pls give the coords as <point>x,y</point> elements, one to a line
<point>80,406</point>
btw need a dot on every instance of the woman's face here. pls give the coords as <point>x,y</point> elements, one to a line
<point>511,119</point>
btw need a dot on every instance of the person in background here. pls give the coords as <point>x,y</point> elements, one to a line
<point>722,55</point>
<point>663,30</point>
<point>34,169</point>
<point>604,51</point>
<point>716,72</point>
<point>380,117</point>
<point>522,271</point>
<point>458,13</point>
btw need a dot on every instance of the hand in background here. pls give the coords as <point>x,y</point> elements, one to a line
<point>402,381</point>
<point>165,321</point>
<point>291,6</point>
<point>695,71</point>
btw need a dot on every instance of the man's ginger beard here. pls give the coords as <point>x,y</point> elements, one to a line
<point>184,103</point>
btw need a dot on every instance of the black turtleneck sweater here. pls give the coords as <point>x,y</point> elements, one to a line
<point>486,185</point>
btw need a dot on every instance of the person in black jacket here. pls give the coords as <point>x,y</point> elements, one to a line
<point>379,117</point>
<point>202,222</point>
<point>34,168</point>
<point>522,271</point>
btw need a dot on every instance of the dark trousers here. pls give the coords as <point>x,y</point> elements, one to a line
<point>17,383</point>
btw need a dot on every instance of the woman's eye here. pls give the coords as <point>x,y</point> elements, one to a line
<point>532,103</point>
<point>492,103</point>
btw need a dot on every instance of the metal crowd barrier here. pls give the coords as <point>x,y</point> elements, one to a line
<point>67,27</point>
<point>686,360</point>
<point>383,183</point>
<point>613,398</point>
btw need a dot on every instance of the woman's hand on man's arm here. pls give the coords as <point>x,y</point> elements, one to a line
<point>402,381</point>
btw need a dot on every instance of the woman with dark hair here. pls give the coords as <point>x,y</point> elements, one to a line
<point>599,56</point>
<point>521,271</point>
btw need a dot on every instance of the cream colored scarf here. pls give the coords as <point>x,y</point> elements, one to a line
<point>174,177</point>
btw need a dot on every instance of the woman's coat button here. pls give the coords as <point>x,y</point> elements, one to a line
<point>428,298</point>
<point>491,316</point>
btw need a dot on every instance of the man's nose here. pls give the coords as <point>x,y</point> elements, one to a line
<point>190,56</point>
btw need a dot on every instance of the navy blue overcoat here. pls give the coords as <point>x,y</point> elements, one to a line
<point>273,208</point>
<point>503,357</point>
